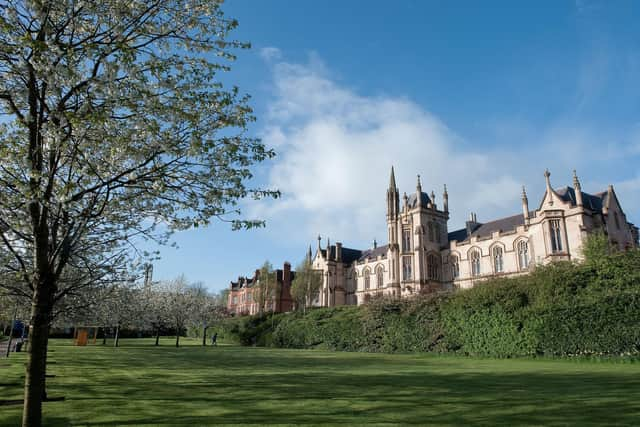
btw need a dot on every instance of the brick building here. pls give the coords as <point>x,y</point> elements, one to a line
<point>244,294</point>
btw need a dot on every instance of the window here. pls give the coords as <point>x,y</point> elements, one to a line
<point>437,231</point>
<point>406,268</point>
<point>455,267</point>
<point>406,240</point>
<point>235,299</point>
<point>617,220</point>
<point>367,278</point>
<point>475,262</point>
<point>430,231</point>
<point>433,267</point>
<point>498,261</point>
<point>249,296</point>
<point>556,235</point>
<point>380,277</point>
<point>523,254</point>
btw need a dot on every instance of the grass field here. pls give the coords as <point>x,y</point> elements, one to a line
<point>141,384</point>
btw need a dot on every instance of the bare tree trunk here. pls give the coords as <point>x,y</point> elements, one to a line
<point>13,322</point>
<point>177,339</point>
<point>116,342</point>
<point>158,336</point>
<point>104,335</point>
<point>204,335</point>
<point>34,383</point>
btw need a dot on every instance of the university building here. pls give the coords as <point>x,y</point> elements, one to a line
<point>424,256</point>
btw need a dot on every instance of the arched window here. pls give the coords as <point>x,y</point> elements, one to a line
<point>475,262</point>
<point>523,254</point>
<point>406,240</point>
<point>433,267</point>
<point>455,266</point>
<point>379,277</point>
<point>498,259</point>
<point>556,235</point>
<point>367,278</point>
<point>431,231</point>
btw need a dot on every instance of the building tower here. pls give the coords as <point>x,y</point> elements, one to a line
<point>393,210</point>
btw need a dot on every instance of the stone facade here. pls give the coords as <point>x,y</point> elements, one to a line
<point>424,256</point>
<point>243,294</point>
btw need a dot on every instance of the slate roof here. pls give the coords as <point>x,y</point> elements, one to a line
<point>373,253</point>
<point>595,202</point>
<point>412,200</point>
<point>348,255</point>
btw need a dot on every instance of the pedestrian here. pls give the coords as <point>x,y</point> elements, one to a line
<point>214,339</point>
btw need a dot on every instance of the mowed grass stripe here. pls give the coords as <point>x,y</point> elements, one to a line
<point>142,384</point>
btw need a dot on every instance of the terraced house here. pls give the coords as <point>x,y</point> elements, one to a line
<point>424,256</point>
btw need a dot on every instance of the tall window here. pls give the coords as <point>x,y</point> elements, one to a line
<point>498,261</point>
<point>475,262</point>
<point>406,268</point>
<point>437,232</point>
<point>433,267</point>
<point>556,235</point>
<point>367,278</point>
<point>406,240</point>
<point>380,277</point>
<point>523,254</point>
<point>455,267</point>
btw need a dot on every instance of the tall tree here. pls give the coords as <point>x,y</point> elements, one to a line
<point>306,284</point>
<point>115,123</point>
<point>180,304</point>
<point>265,293</point>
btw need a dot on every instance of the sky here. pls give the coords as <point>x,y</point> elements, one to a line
<point>480,96</point>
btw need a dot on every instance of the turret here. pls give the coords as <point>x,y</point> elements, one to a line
<point>577,188</point>
<point>525,204</point>
<point>445,199</point>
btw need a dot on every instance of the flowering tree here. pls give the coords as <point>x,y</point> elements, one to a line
<point>116,129</point>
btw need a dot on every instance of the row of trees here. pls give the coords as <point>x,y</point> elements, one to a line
<point>174,305</point>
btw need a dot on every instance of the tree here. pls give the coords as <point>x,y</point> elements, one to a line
<point>115,123</point>
<point>180,304</point>
<point>266,289</point>
<point>207,309</point>
<point>155,311</point>
<point>306,284</point>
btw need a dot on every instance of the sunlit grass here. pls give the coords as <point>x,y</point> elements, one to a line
<point>142,384</point>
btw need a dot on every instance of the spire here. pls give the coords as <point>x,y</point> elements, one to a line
<point>309,254</point>
<point>525,204</point>
<point>433,199</point>
<point>418,193</point>
<point>319,240</point>
<point>550,191</point>
<point>419,185</point>
<point>577,188</point>
<point>375,244</point>
<point>392,180</point>
<point>445,199</point>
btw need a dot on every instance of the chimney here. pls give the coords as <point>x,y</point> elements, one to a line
<point>471,224</point>
<point>286,274</point>
<point>338,251</point>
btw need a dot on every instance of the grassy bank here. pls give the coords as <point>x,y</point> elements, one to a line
<point>142,384</point>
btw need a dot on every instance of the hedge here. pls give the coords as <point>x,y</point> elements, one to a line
<point>561,309</point>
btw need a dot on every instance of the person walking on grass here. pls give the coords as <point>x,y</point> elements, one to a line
<point>214,339</point>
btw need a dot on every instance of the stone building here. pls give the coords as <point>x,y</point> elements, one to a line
<point>424,256</point>
<point>244,293</point>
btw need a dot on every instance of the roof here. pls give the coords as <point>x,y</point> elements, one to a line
<point>374,253</point>
<point>348,255</point>
<point>424,198</point>
<point>243,282</point>
<point>595,202</point>
<point>503,224</point>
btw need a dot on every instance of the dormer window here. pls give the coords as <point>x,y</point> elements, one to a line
<point>556,235</point>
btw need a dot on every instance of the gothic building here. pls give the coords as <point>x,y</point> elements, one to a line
<point>424,256</point>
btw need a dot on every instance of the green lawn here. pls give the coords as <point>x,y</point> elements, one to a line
<point>141,384</point>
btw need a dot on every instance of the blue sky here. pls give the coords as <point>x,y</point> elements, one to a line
<point>482,96</point>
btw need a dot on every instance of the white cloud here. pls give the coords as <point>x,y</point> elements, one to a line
<point>336,147</point>
<point>270,53</point>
